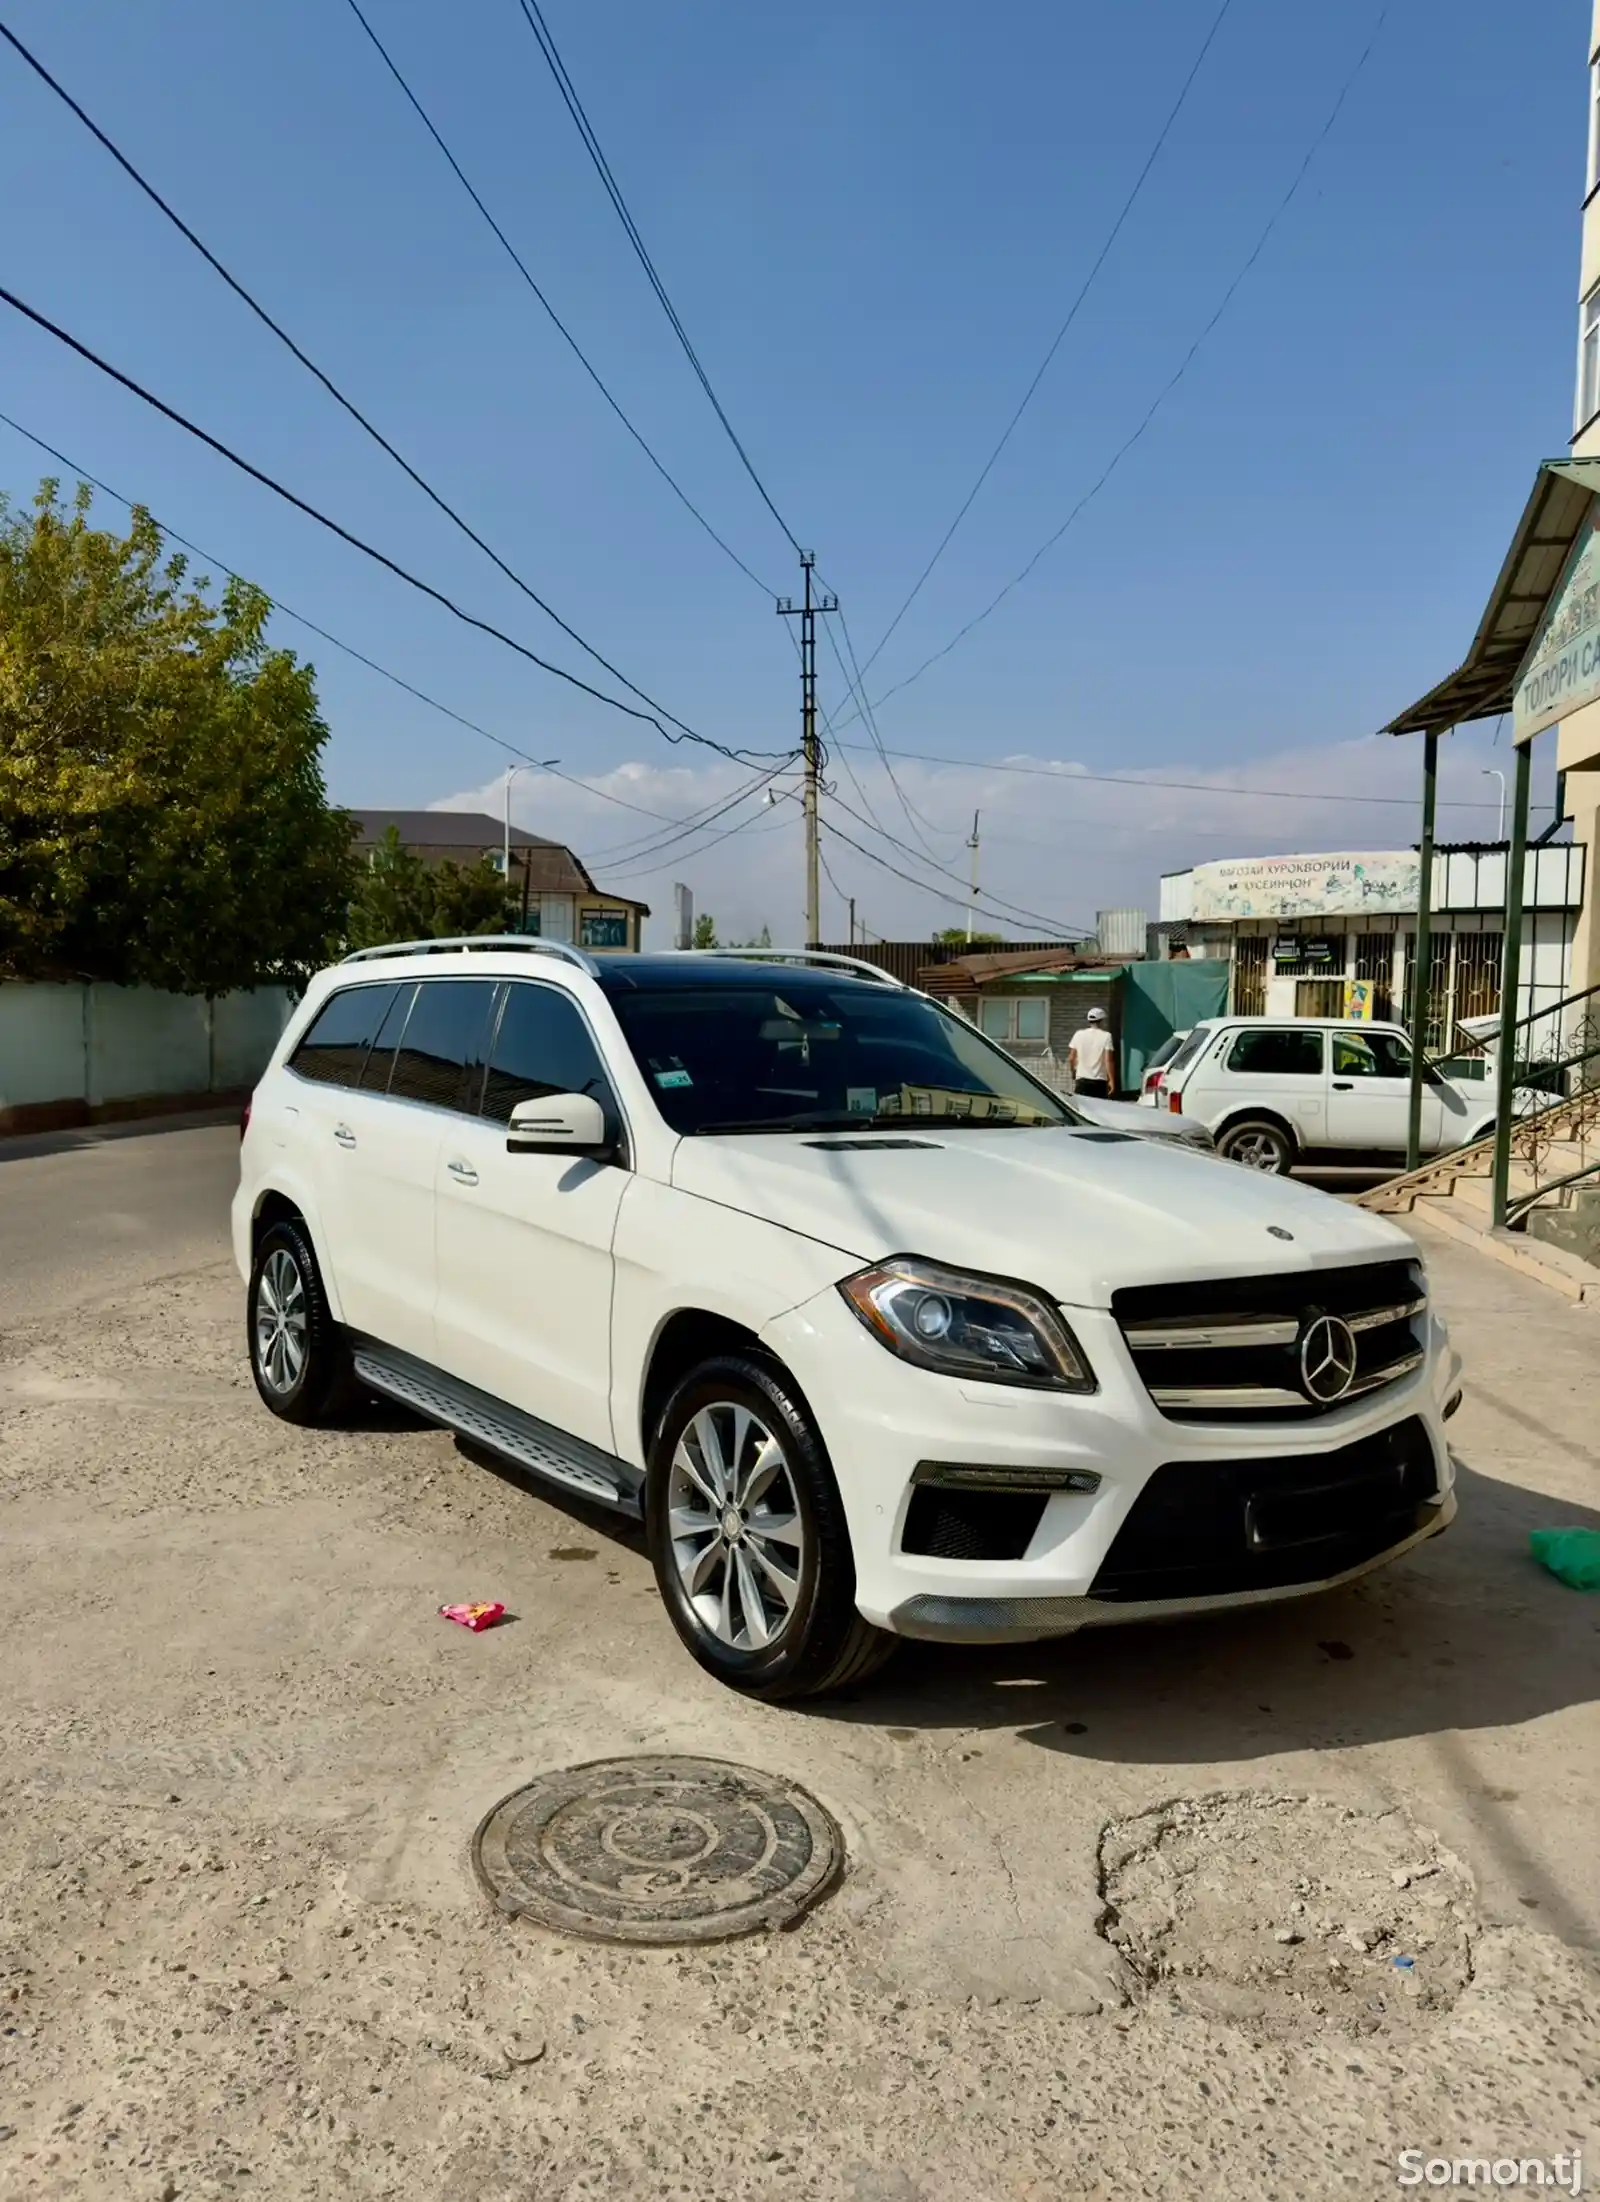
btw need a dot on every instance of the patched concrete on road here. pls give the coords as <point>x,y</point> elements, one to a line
<point>244,1760</point>
<point>1281,1911</point>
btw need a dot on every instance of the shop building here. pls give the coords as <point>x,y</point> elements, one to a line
<point>1334,935</point>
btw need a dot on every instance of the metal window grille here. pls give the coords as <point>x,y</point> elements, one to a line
<point>1477,987</point>
<point>1375,964</point>
<point>1250,975</point>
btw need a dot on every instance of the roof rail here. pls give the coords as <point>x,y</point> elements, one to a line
<point>479,944</point>
<point>821,956</point>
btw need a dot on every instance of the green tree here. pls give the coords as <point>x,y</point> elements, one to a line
<point>163,818</point>
<point>705,932</point>
<point>399,897</point>
<point>952,933</point>
<point>763,939</point>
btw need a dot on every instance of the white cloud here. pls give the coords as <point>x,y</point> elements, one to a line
<point>1057,838</point>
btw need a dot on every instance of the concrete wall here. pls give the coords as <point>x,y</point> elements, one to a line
<point>69,1054</point>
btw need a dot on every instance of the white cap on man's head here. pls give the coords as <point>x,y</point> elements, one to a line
<point>1097,1016</point>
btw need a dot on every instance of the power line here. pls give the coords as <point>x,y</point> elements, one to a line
<point>368,550</point>
<point>1141,780</point>
<point>534,17</point>
<point>522,269</point>
<point>672,863</point>
<point>656,845</point>
<point>1056,342</point>
<point>854,687</point>
<point>569,779</point>
<point>1016,909</point>
<point>1167,389</point>
<point>332,388</point>
<point>963,900</point>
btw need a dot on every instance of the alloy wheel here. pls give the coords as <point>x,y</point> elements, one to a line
<point>1255,1151</point>
<point>282,1324</point>
<point>738,1539</point>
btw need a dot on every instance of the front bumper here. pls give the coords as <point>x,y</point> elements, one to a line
<point>881,1417</point>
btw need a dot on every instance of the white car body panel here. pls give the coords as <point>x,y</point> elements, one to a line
<point>549,1282</point>
<point>1057,1209</point>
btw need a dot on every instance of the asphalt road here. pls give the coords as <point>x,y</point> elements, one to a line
<point>241,1949</point>
<point>86,1214</point>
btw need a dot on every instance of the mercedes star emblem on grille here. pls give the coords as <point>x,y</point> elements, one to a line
<point>1327,1359</point>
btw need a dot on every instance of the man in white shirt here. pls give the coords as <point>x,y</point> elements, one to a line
<point>1093,1056</point>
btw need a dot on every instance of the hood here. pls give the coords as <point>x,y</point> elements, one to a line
<point>1142,1122</point>
<point>1077,1213</point>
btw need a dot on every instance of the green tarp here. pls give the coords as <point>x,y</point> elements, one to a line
<point>1159,999</point>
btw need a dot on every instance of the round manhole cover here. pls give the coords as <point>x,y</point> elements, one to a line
<point>658,1850</point>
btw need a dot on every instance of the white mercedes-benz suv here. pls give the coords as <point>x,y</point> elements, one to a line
<point>879,1336</point>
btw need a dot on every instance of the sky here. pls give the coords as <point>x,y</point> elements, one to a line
<point>872,219</point>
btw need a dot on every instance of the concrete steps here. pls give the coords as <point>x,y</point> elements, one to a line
<point>1559,1242</point>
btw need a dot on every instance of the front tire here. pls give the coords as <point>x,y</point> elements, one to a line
<point>298,1354</point>
<point>748,1536</point>
<point>1256,1143</point>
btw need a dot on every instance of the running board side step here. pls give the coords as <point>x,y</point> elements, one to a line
<point>545,1451</point>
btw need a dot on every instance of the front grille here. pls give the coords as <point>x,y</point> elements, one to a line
<point>1207,1528</point>
<point>1230,1351</point>
<point>971,1525</point>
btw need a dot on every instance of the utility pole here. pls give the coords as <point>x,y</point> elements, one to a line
<point>972,844</point>
<point>852,921</point>
<point>806,612</point>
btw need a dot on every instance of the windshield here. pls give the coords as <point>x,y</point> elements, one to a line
<point>775,1056</point>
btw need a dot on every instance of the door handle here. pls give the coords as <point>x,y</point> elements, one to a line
<point>1344,1085</point>
<point>462,1172</point>
<point>344,1135</point>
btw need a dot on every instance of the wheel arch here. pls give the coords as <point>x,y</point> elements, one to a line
<point>688,1336</point>
<point>1253,1115</point>
<point>277,1204</point>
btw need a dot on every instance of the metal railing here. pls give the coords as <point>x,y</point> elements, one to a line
<point>1554,1077</point>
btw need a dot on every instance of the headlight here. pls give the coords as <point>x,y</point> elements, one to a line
<point>968,1326</point>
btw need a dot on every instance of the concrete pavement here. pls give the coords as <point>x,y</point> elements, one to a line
<point>243,1760</point>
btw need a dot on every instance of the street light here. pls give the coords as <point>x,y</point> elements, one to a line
<point>533,765</point>
<point>1492,772</point>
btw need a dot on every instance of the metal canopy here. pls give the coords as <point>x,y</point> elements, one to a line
<point>1483,685</point>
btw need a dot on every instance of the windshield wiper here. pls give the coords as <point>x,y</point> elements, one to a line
<point>808,1120</point>
<point>860,1120</point>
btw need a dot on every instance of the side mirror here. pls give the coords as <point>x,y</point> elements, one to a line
<point>564,1123</point>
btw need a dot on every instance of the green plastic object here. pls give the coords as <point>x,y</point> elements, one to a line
<point>1571,1555</point>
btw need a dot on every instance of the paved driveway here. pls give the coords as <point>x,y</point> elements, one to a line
<point>242,1761</point>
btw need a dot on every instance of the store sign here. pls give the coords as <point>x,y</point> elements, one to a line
<point>1343,885</point>
<point>1562,669</point>
<point>1358,1000</point>
<point>1295,948</point>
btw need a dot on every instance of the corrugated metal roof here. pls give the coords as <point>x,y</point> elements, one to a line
<point>1483,684</point>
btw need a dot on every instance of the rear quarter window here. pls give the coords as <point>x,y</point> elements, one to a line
<point>334,1049</point>
<point>1277,1051</point>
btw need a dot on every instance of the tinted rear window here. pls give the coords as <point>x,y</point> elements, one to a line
<point>380,1062</point>
<point>334,1050</point>
<point>1280,1052</point>
<point>1189,1049</point>
<point>440,1057</point>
